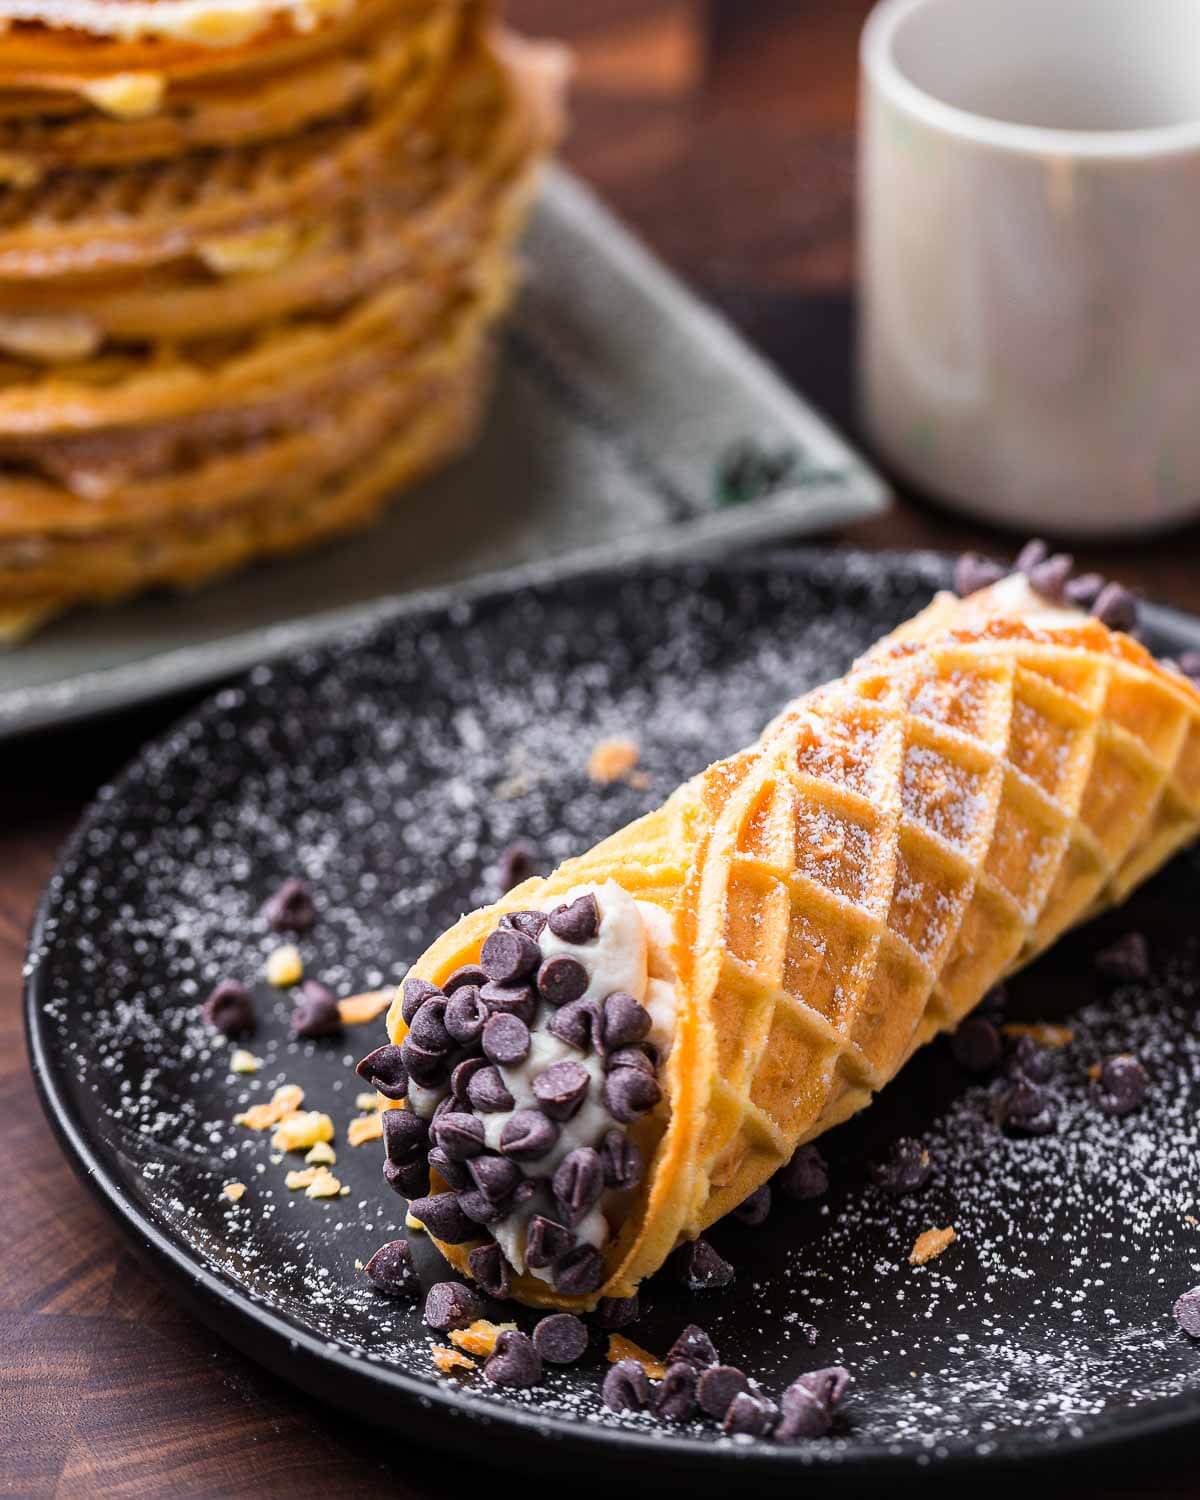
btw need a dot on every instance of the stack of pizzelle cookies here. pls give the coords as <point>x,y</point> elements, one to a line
<point>251,255</point>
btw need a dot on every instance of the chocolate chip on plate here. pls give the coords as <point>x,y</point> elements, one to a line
<point>408,1178</point>
<point>545,1242</point>
<point>695,1346</point>
<point>561,980</point>
<point>973,572</point>
<point>384,1071</point>
<point>1121,1086</point>
<point>517,863</point>
<point>577,923</point>
<point>443,1218</point>
<point>516,1361</point>
<point>1027,1108</point>
<point>906,1168</point>
<point>230,1009</point>
<point>1030,1060</point>
<point>316,1013</point>
<point>809,1404</point>
<point>628,1093</point>
<point>531,923</point>
<point>617,1312</point>
<point>453,1173</point>
<point>465,1014</point>
<point>621,1160</point>
<point>1126,961</point>
<point>487,1092</point>
<point>528,1135</point>
<point>626,1387</point>
<point>717,1387</point>
<point>623,1021</point>
<point>1116,607</point>
<point>518,1000</point>
<point>977,1045</point>
<point>413,994</point>
<point>405,1135</point>
<point>560,1339</point>
<point>577,1024</point>
<point>509,956</point>
<point>459,1135</point>
<point>390,1270</point>
<point>450,1304</point>
<point>700,1268</point>
<point>495,1176</point>
<point>466,974</point>
<point>492,1272</point>
<point>1187,1312</point>
<point>805,1176</point>
<point>755,1209</point>
<point>580,1272</point>
<point>676,1397</point>
<point>561,1088</point>
<point>578,1184</point>
<point>749,1415</point>
<point>291,908</point>
<point>505,1040</point>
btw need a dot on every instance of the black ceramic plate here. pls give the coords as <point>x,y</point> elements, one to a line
<point>390,771</point>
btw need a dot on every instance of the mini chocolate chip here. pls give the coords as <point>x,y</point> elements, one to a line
<point>230,1009</point>
<point>509,956</point>
<point>561,1088</point>
<point>631,1057</point>
<point>617,1312</point>
<point>414,993</point>
<point>450,1304</point>
<point>1049,578</point>
<point>1189,665</point>
<point>1033,552</point>
<point>405,1134</point>
<point>467,974</point>
<point>561,980</point>
<point>428,1028</point>
<point>626,1387</point>
<point>518,1000</point>
<point>1121,1086</point>
<point>695,1346</point>
<point>1029,1059</point>
<point>460,1078</point>
<point>809,1404</point>
<point>977,1045</point>
<point>426,1069</point>
<point>515,1363</point>
<point>390,1270</point>
<point>1084,589</point>
<point>1126,961</point>
<point>443,1218</point>
<point>717,1387</point>
<point>545,1242</point>
<point>528,1135</point>
<point>1026,1107</point>
<point>576,1024</point>
<point>465,1013</point>
<point>580,1272</point>
<point>560,1339</point>
<point>755,1209</point>
<point>805,1176</point>
<point>621,1159</point>
<point>384,1070</point>
<point>491,1271</point>
<point>487,1092</point>
<point>577,923</point>
<point>531,923</point>
<point>291,908</point>
<point>578,1184</point>
<point>316,1013</point>
<point>479,1208</point>
<point>453,1173</point>
<point>749,1416</point>
<point>700,1268</point>
<point>505,1040</point>
<point>1116,607</point>
<point>459,1135</point>
<point>906,1168</point>
<point>446,1105</point>
<point>828,1385</point>
<point>676,1398</point>
<point>629,1093</point>
<point>973,572</point>
<point>1187,1312</point>
<point>408,1178</point>
<point>623,1022</point>
<point>517,863</point>
<point>495,1176</point>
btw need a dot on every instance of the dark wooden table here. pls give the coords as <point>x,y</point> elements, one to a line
<point>725,132</point>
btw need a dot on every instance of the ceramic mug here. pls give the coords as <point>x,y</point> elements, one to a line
<point>1030,257</point>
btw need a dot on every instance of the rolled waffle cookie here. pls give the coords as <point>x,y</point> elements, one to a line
<point>610,1059</point>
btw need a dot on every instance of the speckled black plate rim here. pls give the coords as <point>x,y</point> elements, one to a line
<point>381,1394</point>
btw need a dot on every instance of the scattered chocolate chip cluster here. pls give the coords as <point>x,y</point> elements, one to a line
<point>455,1068</point>
<point>1053,576</point>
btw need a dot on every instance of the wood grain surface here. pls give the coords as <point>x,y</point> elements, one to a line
<point>724,131</point>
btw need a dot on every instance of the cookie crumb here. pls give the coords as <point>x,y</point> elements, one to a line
<point>365,1128</point>
<point>614,760</point>
<point>358,1010</point>
<point>930,1244</point>
<point>448,1360</point>
<point>233,1191</point>
<point>368,1102</point>
<point>479,1337</point>
<point>321,1155</point>
<point>284,1102</point>
<point>1042,1032</point>
<point>620,1348</point>
<point>284,966</point>
<point>242,1061</point>
<point>304,1128</point>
